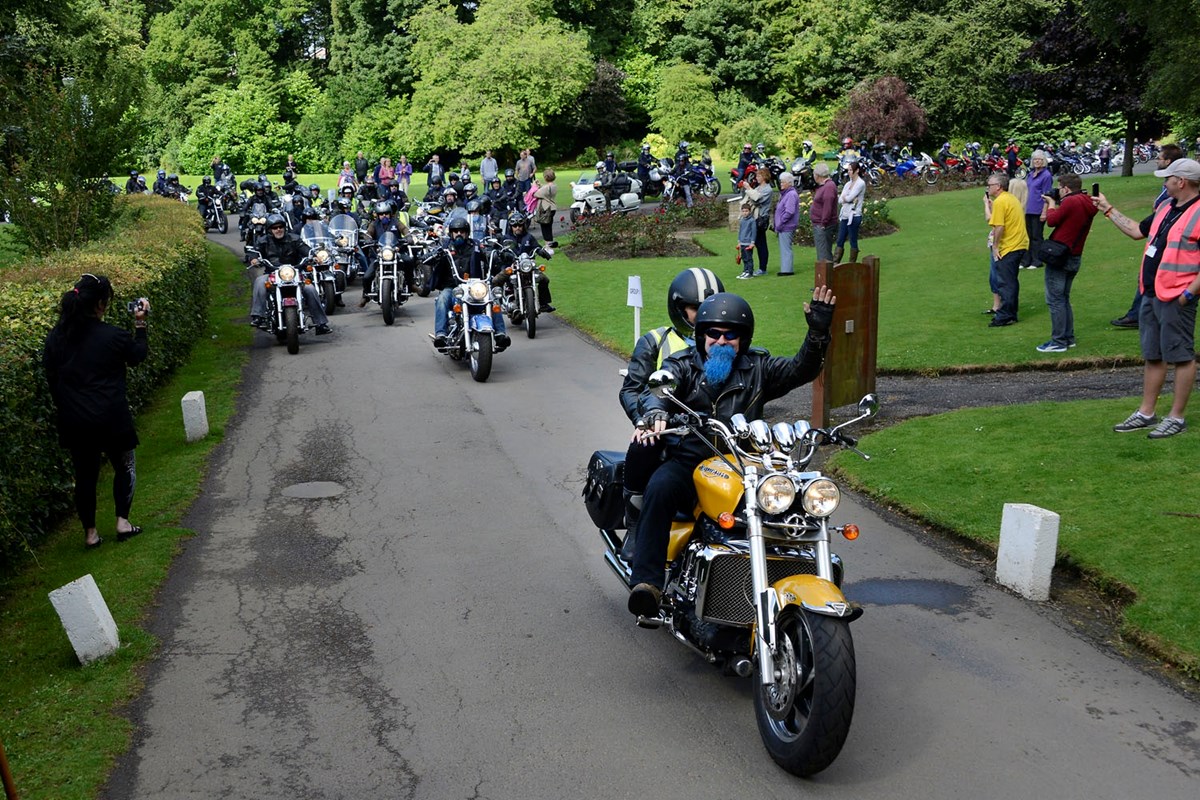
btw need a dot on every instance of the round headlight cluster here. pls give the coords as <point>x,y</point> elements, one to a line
<point>776,494</point>
<point>287,273</point>
<point>477,291</point>
<point>821,497</point>
<point>526,266</point>
<point>322,256</point>
<point>387,254</point>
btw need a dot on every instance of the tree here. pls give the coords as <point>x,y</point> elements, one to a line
<point>817,50</point>
<point>1074,72</point>
<point>479,86</point>
<point>601,113</point>
<point>685,105</point>
<point>882,111</point>
<point>720,38</point>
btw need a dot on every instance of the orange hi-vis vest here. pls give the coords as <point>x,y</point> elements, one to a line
<point>1181,254</point>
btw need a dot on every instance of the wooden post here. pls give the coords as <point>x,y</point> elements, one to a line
<point>850,363</point>
<point>10,788</point>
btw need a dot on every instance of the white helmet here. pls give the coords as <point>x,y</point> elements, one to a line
<point>599,166</point>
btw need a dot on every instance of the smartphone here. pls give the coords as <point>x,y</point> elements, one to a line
<point>1095,190</point>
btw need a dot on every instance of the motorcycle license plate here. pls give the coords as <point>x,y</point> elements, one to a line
<point>290,301</point>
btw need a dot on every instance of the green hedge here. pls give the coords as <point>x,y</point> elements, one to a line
<point>155,250</point>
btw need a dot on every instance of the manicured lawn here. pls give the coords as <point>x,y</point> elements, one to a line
<point>933,288</point>
<point>57,718</point>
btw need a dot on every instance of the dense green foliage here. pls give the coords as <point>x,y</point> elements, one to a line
<point>156,251</point>
<point>252,81</point>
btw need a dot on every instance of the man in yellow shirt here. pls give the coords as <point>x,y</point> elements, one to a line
<point>1009,241</point>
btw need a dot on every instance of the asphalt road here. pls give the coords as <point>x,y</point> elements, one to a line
<point>443,627</point>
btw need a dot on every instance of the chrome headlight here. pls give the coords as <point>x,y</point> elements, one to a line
<point>287,273</point>
<point>322,256</point>
<point>342,241</point>
<point>259,220</point>
<point>477,291</point>
<point>526,266</point>
<point>776,494</point>
<point>821,497</point>
<point>387,254</point>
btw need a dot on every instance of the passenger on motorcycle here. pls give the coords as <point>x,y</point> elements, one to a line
<point>684,296</point>
<point>645,162</point>
<point>721,358</point>
<point>280,247</point>
<point>526,243</point>
<point>160,183</point>
<point>683,164</point>
<point>131,185</point>
<point>205,192</point>
<point>385,220</point>
<point>465,256</point>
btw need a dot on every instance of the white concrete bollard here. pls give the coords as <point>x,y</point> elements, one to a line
<point>1028,544</point>
<point>195,417</point>
<point>86,619</point>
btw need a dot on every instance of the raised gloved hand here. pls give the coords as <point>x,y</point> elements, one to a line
<point>819,313</point>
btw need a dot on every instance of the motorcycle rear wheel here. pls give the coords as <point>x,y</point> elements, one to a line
<point>481,359</point>
<point>385,300</point>
<point>531,312</point>
<point>291,324</point>
<point>804,717</point>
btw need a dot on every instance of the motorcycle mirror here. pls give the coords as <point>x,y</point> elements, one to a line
<point>760,436</point>
<point>740,426</point>
<point>662,383</point>
<point>869,405</point>
<point>785,436</point>
<point>801,428</point>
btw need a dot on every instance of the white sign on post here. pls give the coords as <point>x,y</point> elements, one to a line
<point>634,298</point>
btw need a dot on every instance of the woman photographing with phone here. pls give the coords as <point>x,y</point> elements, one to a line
<point>85,360</point>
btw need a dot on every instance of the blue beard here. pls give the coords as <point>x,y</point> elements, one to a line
<point>719,363</point>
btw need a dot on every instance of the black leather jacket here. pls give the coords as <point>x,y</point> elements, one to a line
<point>757,378</point>
<point>288,250</point>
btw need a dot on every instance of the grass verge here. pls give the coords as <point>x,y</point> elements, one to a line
<point>58,720</point>
<point>1129,520</point>
<point>933,289</point>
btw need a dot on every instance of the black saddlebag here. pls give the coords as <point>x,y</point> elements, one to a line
<point>604,490</point>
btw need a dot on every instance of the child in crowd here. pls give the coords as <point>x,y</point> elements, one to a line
<point>746,235</point>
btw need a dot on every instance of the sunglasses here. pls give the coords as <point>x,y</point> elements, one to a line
<point>276,227</point>
<point>728,336</point>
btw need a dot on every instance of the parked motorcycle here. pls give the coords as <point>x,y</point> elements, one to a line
<point>470,333</point>
<point>751,582</point>
<point>330,284</point>
<point>286,317</point>
<point>588,197</point>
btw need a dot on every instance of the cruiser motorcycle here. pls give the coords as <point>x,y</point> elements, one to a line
<point>751,582</point>
<point>286,317</point>
<point>391,275</point>
<point>517,285</point>
<point>470,334</point>
<point>344,231</point>
<point>330,281</point>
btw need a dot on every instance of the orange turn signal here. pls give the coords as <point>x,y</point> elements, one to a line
<point>541,267</point>
<point>495,309</point>
<point>458,308</point>
<point>466,276</point>
<point>508,271</point>
<point>850,532</point>
<point>726,520</point>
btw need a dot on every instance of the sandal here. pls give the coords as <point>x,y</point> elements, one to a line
<point>129,534</point>
<point>93,545</point>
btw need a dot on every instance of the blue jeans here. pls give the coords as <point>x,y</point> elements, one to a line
<point>993,281</point>
<point>441,314</point>
<point>785,252</point>
<point>1008,286</point>
<point>1058,297</point>
<point>849,228</point>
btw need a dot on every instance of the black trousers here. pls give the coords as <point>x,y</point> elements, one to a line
<point>86,462</point>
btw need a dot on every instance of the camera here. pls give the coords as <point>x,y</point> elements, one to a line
<point>1055,195</point>
<point>133,306</point>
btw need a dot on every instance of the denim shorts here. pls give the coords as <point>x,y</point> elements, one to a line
<point>1168,331</point>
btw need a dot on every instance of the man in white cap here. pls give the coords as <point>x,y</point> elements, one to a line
<point>1170,281</point>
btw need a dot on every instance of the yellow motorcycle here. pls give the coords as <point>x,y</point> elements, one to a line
<point>751,582</point>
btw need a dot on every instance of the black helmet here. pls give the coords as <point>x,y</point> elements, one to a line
<point>684,145</point>
<point>258,187</point>
<point>310,213</point>
<point>274,220</point>
<point>342,204</point>
<point>141,180</point>
<point>384,207</point>
<point>162,173</point>
<point>312,188</point>
<point>469,190</point>
<point>608,154</point>
<point>207,181</point>
<point>288,174</point>
<point>690,288</point>
<point>473,206</point>
<point>495,179</point>
<point>435,181</point>
<point>517,218</point>
<point>346,189</point>
<point>508,173</point>
<point>729,311</point>
<point>262,178</point>
<point>459,224</point>
<point>133,173</point>
<point>172,178</point>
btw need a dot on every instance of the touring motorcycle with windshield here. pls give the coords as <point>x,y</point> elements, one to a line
<point>330,280</point>
<point>470,333</point>
<point>752,583</point>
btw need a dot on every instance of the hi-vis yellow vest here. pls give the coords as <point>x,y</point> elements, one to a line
<point>669,343</point>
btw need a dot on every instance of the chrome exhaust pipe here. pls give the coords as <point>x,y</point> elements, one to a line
<point>741,666</point>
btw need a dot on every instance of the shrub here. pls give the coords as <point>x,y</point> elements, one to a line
<point>706,212</point>
<point>876,221</point>
<point>755,129</point>
<point>156,250</point>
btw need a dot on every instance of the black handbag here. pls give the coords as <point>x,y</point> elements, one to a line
<point>1054,254</point>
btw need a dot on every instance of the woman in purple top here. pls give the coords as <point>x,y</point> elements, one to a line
<point>404,172</point>
<point>1038,181</point>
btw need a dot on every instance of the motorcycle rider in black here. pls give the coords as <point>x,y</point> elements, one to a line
<point>434,195</point>
<point>280,247</point>
<point>524,243</point>
<point>290,184</point>
<point>160,184</point>
<point>498,198</point>
<point>132,186</point>
<point>645,161</point>
<point>466,257</point>
<point>385,220</point>
<point>205,192</point>
<point>720,376</point>
<point>682,172</point>
<point>259,196</point>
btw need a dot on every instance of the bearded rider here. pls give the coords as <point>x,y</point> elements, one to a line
<point>280,247</point>
<point>526,243</point>
<point>385,220</point>
<point>467,261</point>
<point>721,376</point>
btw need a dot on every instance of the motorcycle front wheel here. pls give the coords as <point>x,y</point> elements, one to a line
<point>931,175</point>
<point>804,716</point>
<point>481,359</point>
<point>530,320</point>
<point>291,326</point>
<point>330,297</point>
<point>385,300</point>
<point>222,222</point>
<point>421,278</point>
<point>712,187</point>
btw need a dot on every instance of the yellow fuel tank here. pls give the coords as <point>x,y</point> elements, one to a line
<point>718,487</point>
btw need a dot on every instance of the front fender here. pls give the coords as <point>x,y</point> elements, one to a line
<point>816,595</point>
<point>481,323</point>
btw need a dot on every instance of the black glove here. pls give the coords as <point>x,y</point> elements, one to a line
<point>819,317</point>
<point>652,417</point>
